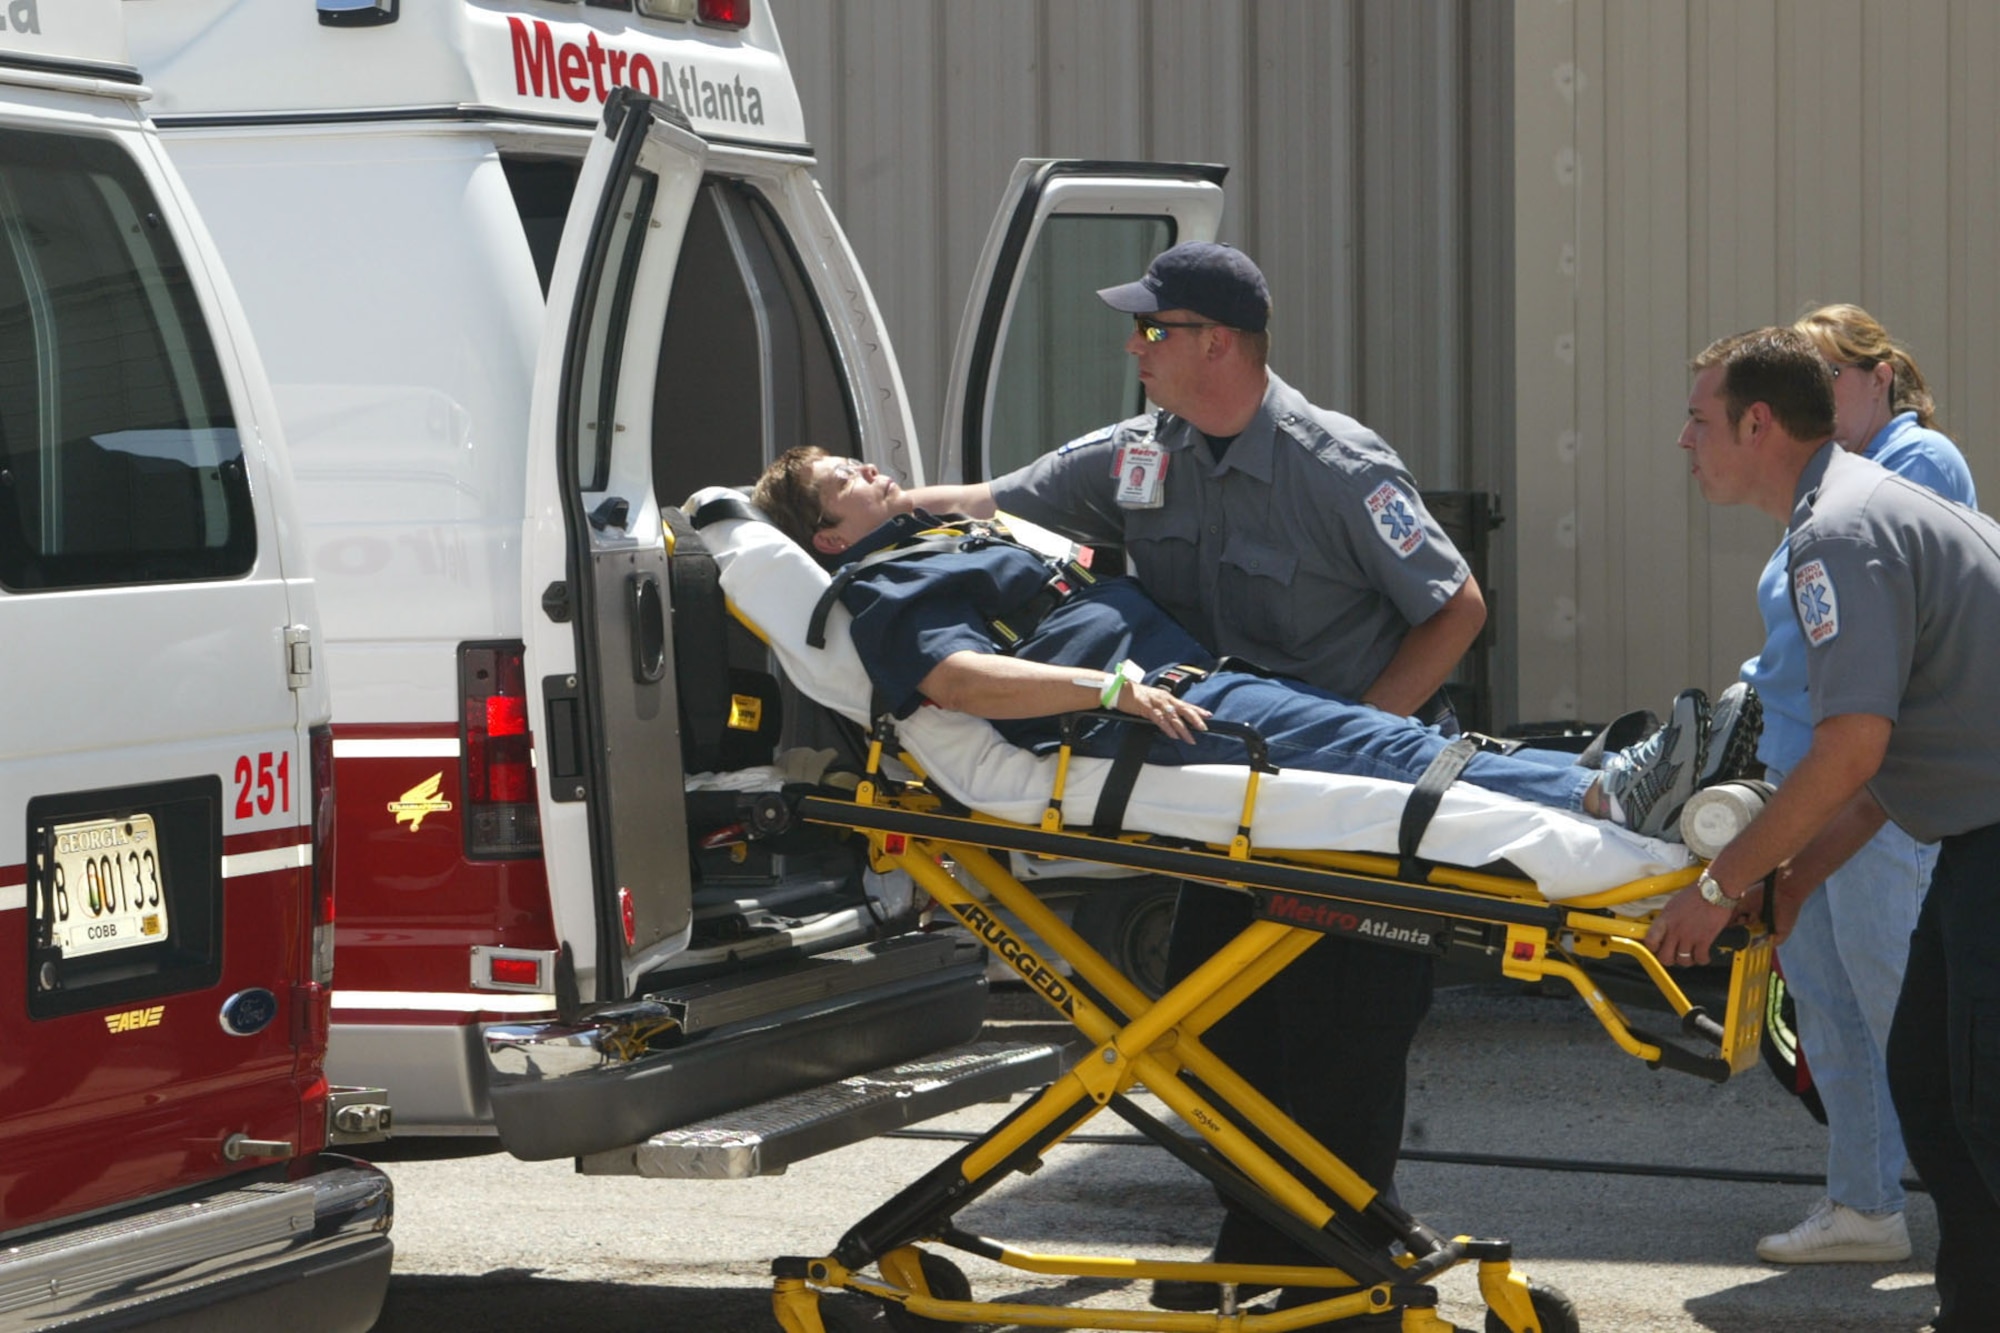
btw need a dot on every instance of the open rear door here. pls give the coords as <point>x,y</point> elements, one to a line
<point>1040,360</point>
<point>602,700</point>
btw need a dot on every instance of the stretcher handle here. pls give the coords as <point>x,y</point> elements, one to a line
<point>1711,1067</point>
<point>1257,751</point>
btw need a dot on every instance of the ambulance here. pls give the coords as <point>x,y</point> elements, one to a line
<point>166,772</point>
<point>527,274</point>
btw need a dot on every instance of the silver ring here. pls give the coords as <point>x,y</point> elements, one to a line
<point>1685,953</point>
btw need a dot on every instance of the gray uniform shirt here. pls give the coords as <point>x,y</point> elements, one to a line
<point>1897,591</point>
<point>1306,549</point>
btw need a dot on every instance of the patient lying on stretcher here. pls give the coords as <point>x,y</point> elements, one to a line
<point>987,627</point>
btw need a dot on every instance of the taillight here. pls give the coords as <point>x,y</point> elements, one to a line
<point>723,13</point>
<point>501,818</point>
<point>320,743</point>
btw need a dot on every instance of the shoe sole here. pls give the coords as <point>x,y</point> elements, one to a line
<point>1734,726</point>
<point>1662,820</point>
<point>1841,1254</point>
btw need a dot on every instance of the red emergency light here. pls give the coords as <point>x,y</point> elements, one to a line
<point>515,971</point>
<point>724,13</point>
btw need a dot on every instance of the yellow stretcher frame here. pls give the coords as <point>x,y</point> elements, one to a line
<point>907,828</point>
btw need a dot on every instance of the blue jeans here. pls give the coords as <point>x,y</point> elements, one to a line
<point>1844,964</point>
<point>1314,729</point>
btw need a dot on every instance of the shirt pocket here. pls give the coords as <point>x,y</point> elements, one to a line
<point>1163,547</point>
<point>1255,587</point>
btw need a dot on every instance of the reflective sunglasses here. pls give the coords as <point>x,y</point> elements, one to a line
<point>1155,330</point>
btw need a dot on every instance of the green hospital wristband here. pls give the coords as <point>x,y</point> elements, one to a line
<point>1114,684</point>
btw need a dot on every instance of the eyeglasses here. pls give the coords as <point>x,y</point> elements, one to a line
<point>1863,367</point>
<point>1155,330</point>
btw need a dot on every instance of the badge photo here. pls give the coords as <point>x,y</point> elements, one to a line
<point>1141,470</point>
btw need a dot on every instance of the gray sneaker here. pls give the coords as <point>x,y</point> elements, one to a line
<point>1652,780</point>
<point>1734,725</point>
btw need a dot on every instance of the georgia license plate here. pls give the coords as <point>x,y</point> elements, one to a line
<point>105,893</point>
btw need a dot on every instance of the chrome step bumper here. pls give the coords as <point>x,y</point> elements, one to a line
<point>315,1251</point>
<point>631,1071</point>
<point>764,1140</point>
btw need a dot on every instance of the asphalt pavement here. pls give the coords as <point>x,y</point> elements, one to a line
<point>1639,1193</point>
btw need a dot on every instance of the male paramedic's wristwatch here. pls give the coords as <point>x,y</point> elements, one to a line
<point>1711,892</point>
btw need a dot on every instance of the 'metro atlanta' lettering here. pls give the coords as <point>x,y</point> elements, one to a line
<point>544,67</point>
<point>1017,955</point>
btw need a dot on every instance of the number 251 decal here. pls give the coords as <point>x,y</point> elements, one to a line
<point>265,785</point>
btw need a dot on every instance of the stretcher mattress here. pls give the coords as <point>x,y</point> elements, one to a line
<point>772,584</point>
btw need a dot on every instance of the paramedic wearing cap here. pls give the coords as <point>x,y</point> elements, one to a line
<point>1897,595</point>
<point>1292,537</point>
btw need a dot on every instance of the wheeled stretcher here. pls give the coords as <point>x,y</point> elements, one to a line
<point>946,801</point>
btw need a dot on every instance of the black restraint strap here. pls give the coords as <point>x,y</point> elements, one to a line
<point>701,624</point>
<point>1116,793</point>
<point>1423,803</point>
<point>1133,747</point>
<point>727,506</point>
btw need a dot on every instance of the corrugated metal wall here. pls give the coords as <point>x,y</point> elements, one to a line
<point>1687,170</point>
<point>1367,141</point>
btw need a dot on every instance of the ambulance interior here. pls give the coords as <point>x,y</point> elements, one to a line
<point>743,312</point>
<point>740,314</point>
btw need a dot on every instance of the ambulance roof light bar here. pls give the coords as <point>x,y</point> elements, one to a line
<point>356,13</point>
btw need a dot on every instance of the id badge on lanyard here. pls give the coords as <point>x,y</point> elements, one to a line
<point>1141,472</point>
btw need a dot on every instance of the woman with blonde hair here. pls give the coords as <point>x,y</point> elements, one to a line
<point>1844,960</point>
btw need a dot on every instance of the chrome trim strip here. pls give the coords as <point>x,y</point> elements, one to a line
<point>296,857</point>
<point>444,1002</point>
<point>395,747</point>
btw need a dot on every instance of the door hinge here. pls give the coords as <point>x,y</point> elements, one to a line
<point>298,656</point>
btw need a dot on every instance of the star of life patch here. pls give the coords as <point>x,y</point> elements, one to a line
<point>1396,521</point>
<point>1819,607</point>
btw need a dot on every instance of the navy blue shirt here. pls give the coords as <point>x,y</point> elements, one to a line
<point>910,614</point>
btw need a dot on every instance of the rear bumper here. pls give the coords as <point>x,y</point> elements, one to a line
<point>561,1090</point>
<point>309,1255</point>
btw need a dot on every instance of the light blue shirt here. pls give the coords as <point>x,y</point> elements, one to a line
<point>1779,672</point>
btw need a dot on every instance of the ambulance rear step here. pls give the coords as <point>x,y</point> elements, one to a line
<point>763,1140</point>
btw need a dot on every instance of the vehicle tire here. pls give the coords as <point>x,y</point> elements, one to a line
<point>1555,1312</point>
<point>1129,924</point>
<point>946,1282</point>
<point>1780,1047</point>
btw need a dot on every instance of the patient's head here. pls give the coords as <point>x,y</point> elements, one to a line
<point>826,504</point>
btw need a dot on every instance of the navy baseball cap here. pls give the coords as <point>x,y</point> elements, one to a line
<point>1215,281</point>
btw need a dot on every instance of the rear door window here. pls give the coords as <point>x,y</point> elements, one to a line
<point>119,457</point>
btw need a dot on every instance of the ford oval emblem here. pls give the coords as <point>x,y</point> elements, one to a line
<point>248,1012</point>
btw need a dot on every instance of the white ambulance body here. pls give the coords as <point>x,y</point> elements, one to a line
<point>165,759</point>
<point>526,274</point>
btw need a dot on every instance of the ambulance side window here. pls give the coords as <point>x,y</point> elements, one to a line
<point>748,367</point>
<point>1063,369</point>
<point>119,458</point>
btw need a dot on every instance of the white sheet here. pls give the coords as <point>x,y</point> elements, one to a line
<point>773,585</point>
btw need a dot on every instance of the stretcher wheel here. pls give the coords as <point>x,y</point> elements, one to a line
<point>946,1282</point>
<point>1553,1311</point>
<point>1129,925</point>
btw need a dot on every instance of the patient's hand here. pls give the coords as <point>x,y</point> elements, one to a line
<point>1177,717</point>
